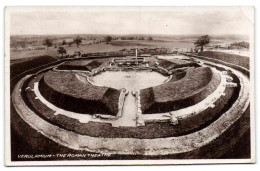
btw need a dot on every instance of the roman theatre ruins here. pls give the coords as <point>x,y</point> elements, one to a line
<point>177,105</point>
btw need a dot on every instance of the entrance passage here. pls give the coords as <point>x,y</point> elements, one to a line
<point>130,80</point>
<point>129,112</point>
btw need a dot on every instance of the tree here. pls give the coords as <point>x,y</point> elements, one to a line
<point>77,40</point>
<point>70,43</point>
<point>63,42</point>
<point>150,38</point>
<point>108,39</point>
<point>202,41</point>
<point>61,51</point>
<point>47,42</point>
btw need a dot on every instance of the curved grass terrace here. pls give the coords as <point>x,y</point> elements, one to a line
<point>84,65</point>
<point>230,58</point>
<point>197,84</point>
<point>171,64</point>
<point>66,91</point>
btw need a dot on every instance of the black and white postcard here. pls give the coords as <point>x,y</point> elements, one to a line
<point>129,85</point>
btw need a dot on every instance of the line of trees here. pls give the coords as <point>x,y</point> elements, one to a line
<point>132,38</point>
<point>136,38</point>
<point>48,42</point>
<point>78,40</point>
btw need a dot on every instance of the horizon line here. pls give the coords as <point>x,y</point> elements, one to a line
<point>53,34</point>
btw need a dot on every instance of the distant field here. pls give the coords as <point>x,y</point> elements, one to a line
<point>29,54</point>
<point>88,43</point>
<point>102,47</point>
<point>152,44</point>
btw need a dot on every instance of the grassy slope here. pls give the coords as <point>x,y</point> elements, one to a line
<point>23,65</point>
<point>176,63</point>
<point>230,58</point>
<point>178,76</point>
<point>194,80</point>
<point>69,84</point>
<point>175,95</point>
<point>87,65</point>
<point>67,92</point>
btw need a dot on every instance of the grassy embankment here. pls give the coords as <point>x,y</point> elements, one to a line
<point>19,66</point>
<point>176,63</point>
<point>85,65</point>
<point>66,91</point>
<point>230,58</point>
<point>194,87</point>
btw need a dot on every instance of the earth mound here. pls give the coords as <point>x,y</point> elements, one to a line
<point>67,91</point>
<point>197,84</point>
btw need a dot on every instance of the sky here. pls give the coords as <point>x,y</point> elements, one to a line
<point>131,20</point>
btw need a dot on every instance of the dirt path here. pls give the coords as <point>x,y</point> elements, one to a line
<point>129,112</point>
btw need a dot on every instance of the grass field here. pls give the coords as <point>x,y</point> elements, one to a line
<point>167,41</point>
<point>102,47</point>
